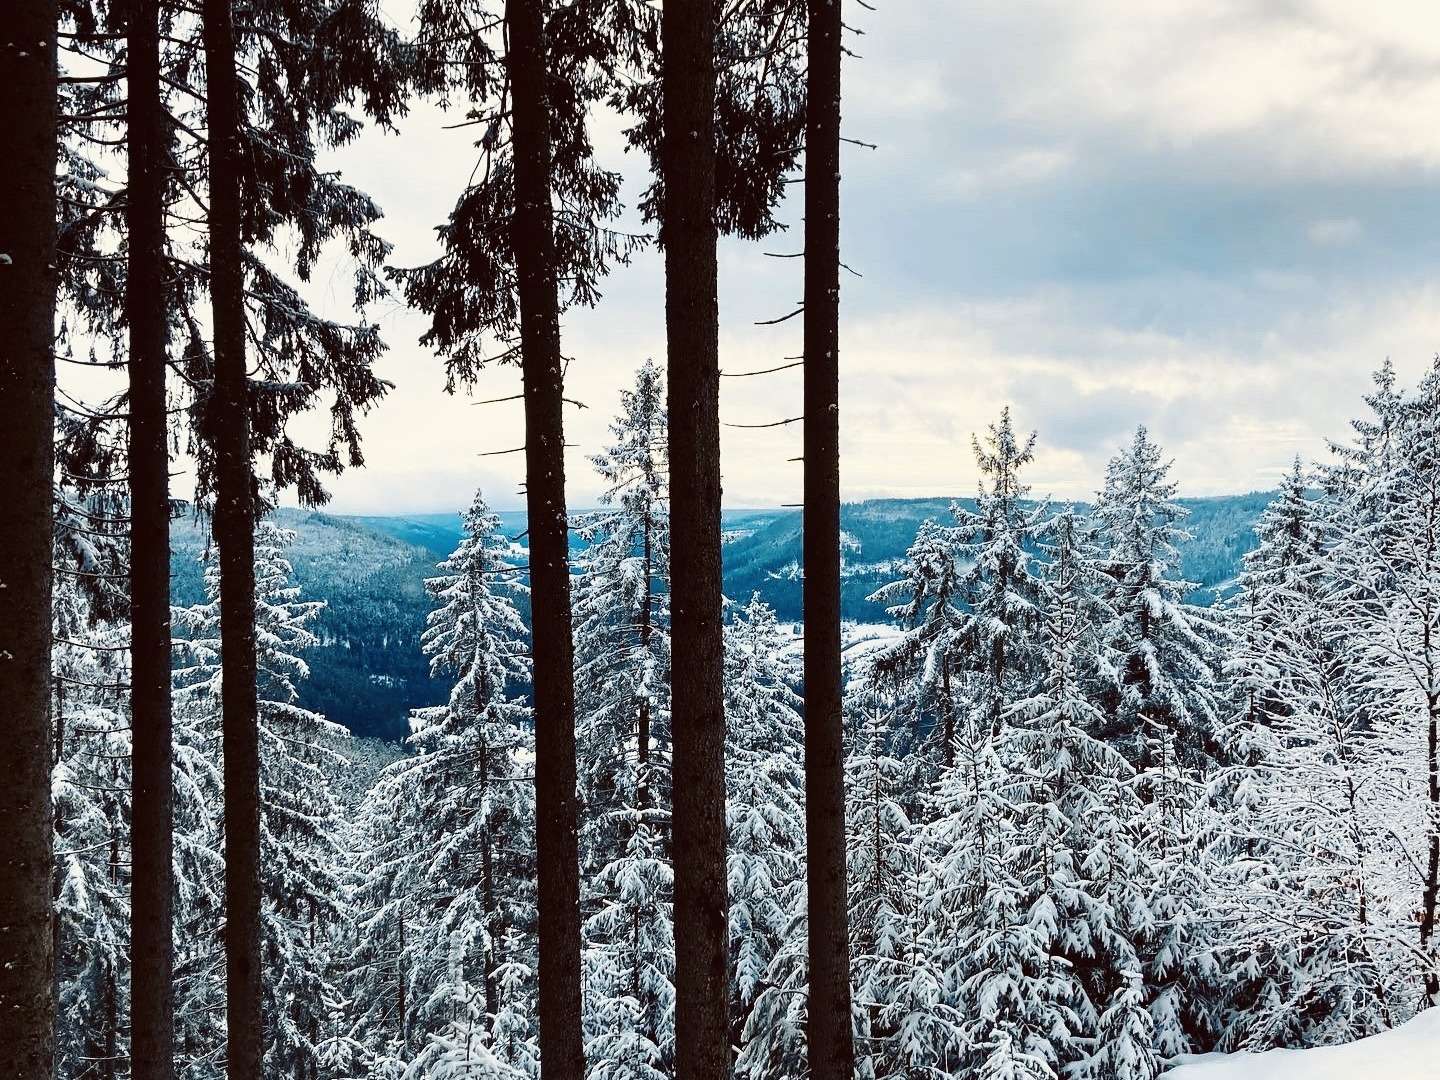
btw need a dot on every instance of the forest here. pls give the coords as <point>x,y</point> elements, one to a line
<point>1068,814</point>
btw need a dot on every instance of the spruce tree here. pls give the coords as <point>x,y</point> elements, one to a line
<point>831,1050</point>
<point>764,767</point>
<point>692,342</point>
<point>997,643</point>
<point>622,626</point>
<point>445,883</point>
<point>148,461</point>
<point>1166,648</point>
<point>27,380</point>
<point>925,602</point>
<point>301,823</point>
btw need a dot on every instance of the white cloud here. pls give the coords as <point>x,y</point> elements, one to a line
<point>1335,232</point>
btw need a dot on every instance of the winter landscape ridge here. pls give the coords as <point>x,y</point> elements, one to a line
<point>367,670</point>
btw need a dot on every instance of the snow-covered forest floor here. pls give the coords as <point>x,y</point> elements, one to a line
<point>1409,1052</point>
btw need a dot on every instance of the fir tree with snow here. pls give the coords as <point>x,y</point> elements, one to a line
<point>622,643</point>
<point>1166,650</point>
<point>302,824</point>
<point>444,886</point>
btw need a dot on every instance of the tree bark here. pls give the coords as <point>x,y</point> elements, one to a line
<point>234,527</point>
<point>562,1054</point>
<point>151,825</point>
<point>828,1026</point>
<point>692,330</point>
<point>27,474</point>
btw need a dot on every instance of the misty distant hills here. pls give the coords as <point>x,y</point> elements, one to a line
<point>368,671</point>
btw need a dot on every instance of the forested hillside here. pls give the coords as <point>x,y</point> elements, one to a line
<point>367,671</point>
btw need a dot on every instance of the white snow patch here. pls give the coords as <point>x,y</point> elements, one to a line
<point>1409,1052</point>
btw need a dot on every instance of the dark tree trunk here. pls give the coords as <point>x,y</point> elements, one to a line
<point>562,1053</point>
<point>235,537</point>
<point>27,468</point>
<point>829,1027</point>
<point>152,946</point>
<point>400,1006</point>
<point>948,704</point>
<point>642,732</point>
<point>692,330</point>
<point>487,893</point>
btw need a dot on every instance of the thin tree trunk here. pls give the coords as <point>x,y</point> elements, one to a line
<point>949,706</point>
<point>562,1052</point>
<point>151,823</point>
<point>642,728</point>
<point>400,1005</point>
<point>487,893</point>
<point>828,1033</point>
<point>692,329</point>
<point>235,537</point>
<point>27,468</point>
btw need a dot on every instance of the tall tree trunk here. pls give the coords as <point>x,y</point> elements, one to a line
<point>562,1053</point>
<point>27,476</point>
<point>235,537</point>
<point>692,329</point>
<point>151,823</point>
<point>832,1055</point>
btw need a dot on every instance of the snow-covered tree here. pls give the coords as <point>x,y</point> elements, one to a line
<point>925,602</point>
<point>301,821</point>
<point>630,963</point>
<point>444,885</point>
<point>1000,585</point>
<point>764,764</point>
<point>1166,649</point>
<point>622,620</point>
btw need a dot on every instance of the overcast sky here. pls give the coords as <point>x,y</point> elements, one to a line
<point>1216,218</point>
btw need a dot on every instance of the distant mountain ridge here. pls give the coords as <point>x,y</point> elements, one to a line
<point>368,671</point>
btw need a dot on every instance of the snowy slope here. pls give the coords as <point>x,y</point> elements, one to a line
<point>1409,1052</point>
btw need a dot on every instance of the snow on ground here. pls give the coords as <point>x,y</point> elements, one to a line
<point>1409,1052</point>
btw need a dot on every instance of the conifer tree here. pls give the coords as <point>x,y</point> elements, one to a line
<point>446,877</point>
<point>495,295</point>
<point>925,602</point>
<point>301,822</point>
<point>27,380</point>
<point>630,963</point>
<point>832,1054</point>
<point>692,341</point>
<point>1166,648</point>
<point>997,642</point>
<point>148,461</point>
<point>765,800</point>
<point>622,625</point>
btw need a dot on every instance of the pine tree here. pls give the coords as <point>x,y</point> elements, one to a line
<point>765,800</point>
<point>692,342</point>
<point>622,626</point>
<point>832,1053</point>
<point>1165,647</point>
<point>630,964</point>
<point>447,838</point>
<point>1065,923</point>
<point>301,822</point>
<point>891,954</point>
<point>925,602</point>
<point>27,380</point>
<point>997,644</point>
<point>149,468</point>
<point>90,783</point>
